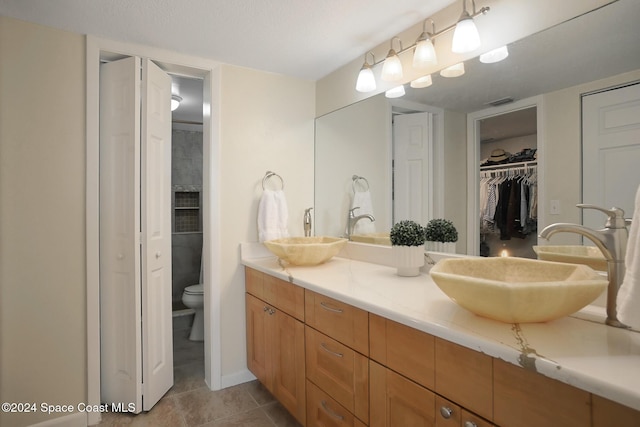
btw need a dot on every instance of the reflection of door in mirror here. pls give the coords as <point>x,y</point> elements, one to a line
<point>610,151</point>
<point>508,184</point>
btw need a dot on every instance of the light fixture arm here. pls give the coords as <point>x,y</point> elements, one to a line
<point>426,34</point>
<point>483,11</point>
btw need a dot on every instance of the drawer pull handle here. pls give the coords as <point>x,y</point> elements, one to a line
<point>330,412</point>
<point>470,424</point>
<point>329,308</point>
<point>325,348</point>
<point>446,412</point>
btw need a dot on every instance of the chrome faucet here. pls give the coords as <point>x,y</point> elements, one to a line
<point>306,222</point>
<point>353,220</point>
<point>612,242</point>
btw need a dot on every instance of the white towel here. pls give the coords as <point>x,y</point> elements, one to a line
<point>629,292</point>
<point>273,216</point>
<point>362,200</point>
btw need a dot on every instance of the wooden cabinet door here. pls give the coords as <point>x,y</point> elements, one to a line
<point>288,363</point>
<point>607,413</point>
<point>340,371</point>
<point>323,411</point>
<point>258,340</point>
<point>397,401</point>
<point>524,398</point>
<point>465,376</point>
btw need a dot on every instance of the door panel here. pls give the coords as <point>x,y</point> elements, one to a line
<point>157,336</point>
<point>120,297</point>
<point>611,151</point>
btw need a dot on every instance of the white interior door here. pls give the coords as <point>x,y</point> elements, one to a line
<point>610,151</point>
<point>411,175</point>
<point>120,293</point>
<point>157,336</point>
<point>135,233</point>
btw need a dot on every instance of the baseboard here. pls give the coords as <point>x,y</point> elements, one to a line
<point>77,419</point>
<point>241,377</point>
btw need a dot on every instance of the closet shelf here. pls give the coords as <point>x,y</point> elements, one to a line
<point>507,166</point>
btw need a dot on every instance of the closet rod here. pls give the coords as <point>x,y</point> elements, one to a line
<point>507,166</point>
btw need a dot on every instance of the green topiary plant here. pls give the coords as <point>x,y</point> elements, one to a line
<point>407,233</point>
<point>441,230</point>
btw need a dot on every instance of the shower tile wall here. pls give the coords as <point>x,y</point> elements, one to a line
<point>186,175</point>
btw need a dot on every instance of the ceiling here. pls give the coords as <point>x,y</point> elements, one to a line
<point>298,38</point>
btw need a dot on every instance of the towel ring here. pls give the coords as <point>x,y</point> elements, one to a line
<point>268,175</point>
<point>357,178</point>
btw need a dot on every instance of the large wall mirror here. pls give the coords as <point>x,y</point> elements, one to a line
<point>358,140</point>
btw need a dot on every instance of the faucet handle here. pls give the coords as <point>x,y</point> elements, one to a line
<point>615,215</point>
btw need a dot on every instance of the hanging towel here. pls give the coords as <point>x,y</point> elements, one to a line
<point>629,292</point>
<point>273,216</point>
<point>362,200</point>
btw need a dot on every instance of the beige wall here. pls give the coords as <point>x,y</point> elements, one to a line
<point>455,174</point>
<point>266,124</point>
<point>42,221</point>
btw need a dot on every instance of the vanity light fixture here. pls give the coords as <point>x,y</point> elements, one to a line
<point>175,102</point>
<point>392,67</point>
<point>424,53</point>
<point>495,55</point>
<point>421,82</point>
<point>455,70</point>
<point>366,81</point>
<point>395,92</point>
<point>465,36</point>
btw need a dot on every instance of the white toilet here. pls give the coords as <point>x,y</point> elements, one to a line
<point>193,297</point>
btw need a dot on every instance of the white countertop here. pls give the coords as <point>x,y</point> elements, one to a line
<point>588,355</point>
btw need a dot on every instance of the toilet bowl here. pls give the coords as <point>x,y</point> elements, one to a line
<point>193,297</point>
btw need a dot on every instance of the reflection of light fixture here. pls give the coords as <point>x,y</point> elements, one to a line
<point>495,55</point>
<point>424,53</point>
<point>455,70</point>
<point>366,81</point>
<point>395,92</point>
<point>175,102</point>
<point>424,81</point>
<point>504,253</point>
<point>392,67</point>
<point>465,36</point>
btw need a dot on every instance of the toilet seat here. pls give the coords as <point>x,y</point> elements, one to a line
<point>194,290</point>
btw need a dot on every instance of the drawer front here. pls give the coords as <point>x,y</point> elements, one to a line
<point>340,321</point>
<point>448,414</point>
<point>407,351</point>
<point>284,296</point>
<point>323,411</point>
<point>339,371</point>
<point>607,413</point>
<point>465,376</point>
<point>253,282</point>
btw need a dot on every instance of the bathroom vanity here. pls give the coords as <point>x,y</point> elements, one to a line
<point>350,343</point>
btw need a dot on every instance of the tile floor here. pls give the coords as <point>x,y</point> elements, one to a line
<point>189,403</point>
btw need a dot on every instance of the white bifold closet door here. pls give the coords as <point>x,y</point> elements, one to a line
<point>135,233</point>
<point>610,151</point>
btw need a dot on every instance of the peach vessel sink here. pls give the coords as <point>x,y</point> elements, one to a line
<point>312,250</point>
<point>518,290</point>
<point>587,255</point>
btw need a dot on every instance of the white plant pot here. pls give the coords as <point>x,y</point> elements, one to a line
<point>447,247</point>
<point>408,260</point>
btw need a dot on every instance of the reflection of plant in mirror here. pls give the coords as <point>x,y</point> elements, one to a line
<point>407,233</point>
<point>441,230</point>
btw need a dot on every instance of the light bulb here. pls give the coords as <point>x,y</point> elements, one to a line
<point>465,36</point>
<point>175,102</point>
<point>424,54</point>
<point>395,92</point>
<point>392,67</point>
<point>455,70</point>
<point>424,81</point>
<point>366,81</point>
<point>495,55</point>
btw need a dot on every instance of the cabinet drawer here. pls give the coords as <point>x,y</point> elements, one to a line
<point>340,321</point>
<point>397,401</point>
<point>448,414</point>
<point>284,296</point>
<point>323,411</point>
<point>608,413</point>
<point>340,371</point>
<point>407,351</point>
<point>465,376</point>
<point>524,398</point>
<point>253,282</point>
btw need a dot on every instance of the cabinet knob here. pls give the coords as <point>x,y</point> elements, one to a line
<point>470,424</point>
<point>446,412</point>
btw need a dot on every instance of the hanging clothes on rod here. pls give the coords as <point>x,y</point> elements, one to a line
<point>508,200</point>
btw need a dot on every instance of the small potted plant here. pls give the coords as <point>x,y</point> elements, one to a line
<point>407,241</point>
<point>441,235</point>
